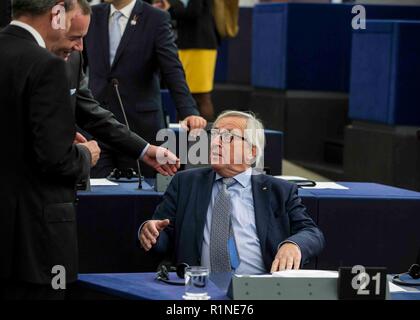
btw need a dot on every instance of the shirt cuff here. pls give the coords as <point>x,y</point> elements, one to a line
<point>144,151</point>
<point>141,227</point>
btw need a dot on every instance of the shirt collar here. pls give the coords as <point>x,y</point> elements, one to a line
<point>244,178</point>
<point>126,11</point>
<point>31,30</point>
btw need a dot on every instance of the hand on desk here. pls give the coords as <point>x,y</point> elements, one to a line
<point>287,258</point>
<point>150,232</point>
<point>162,160</point>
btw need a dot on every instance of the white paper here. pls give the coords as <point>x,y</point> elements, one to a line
<point>102,182</point>
<point>288,178</point>
<point>396,288</point>
<point>327,185</point>
<point>306,274</point>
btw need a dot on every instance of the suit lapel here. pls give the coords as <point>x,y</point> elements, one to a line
<point>203,201</point>
<point>103,33</point>
<point>129,30</point>
<point>261,190</point>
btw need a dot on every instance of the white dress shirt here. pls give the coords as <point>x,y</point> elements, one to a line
<point>126,13</point>
<point>243,225</point>
<point>31,30</point>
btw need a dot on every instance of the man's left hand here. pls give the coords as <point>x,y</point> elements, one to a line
<point>287,258</point>
<point>194,122</point>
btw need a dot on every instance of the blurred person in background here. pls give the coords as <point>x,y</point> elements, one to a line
<point>197,42</point>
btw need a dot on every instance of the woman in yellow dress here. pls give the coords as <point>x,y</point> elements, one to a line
<point>197,42</point>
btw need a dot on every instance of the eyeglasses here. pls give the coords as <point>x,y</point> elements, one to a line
<point>226,135</point>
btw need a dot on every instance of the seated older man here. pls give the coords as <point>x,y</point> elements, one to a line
<point>230,216</point>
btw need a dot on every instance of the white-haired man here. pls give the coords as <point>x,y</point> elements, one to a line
<point>230,217</point>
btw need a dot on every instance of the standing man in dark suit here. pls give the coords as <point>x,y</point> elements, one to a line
<point>42,165</point>
<point>130,41</point>
<point>90,116</point>
<point>236,219</point>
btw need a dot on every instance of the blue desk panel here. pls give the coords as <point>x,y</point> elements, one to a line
<point>303,46</point>
<point>385,73</point>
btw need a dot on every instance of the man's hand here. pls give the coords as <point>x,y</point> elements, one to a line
<point>94,150</point>
<point>287,258</point>
<point>193,122</point>
<point>79,138</point>
<point>162,160</point>
<point>150,232</point>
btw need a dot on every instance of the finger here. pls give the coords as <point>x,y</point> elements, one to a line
<point>203,123</point>
<point>275,265</point>
<point>184,125</point>
<point>170,169</point>
<point>282,265</point>
<point>162,224</point>
<point>149,236</point>
<point>296,264</point>
<point>161,171</point>
<point>152,228</point>
<point>194,123</point>
<point>172,159</point>
<point>145,243</point>
<point>289,263</point>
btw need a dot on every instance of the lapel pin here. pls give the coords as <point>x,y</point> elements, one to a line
<point>265,188</point>
<point>134,20</point>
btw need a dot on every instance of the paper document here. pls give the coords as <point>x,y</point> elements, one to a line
<point>396,288</point>
<point>306,274</point>
<point>291,178</point>
<point>327,185</point>
<point>102,182</point>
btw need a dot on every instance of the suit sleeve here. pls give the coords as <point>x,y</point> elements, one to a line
<point>304,231</point>
<point>172,70</point>
<point>193,10</point>
<point>52,124</point>
<point>103,125</point>
<point>167,209</point>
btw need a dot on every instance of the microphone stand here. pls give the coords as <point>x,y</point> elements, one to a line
<point>115,83</point>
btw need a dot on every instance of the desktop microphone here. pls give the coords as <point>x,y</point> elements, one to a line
<point>115,84</point>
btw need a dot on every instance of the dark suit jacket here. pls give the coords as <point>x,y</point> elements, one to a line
<point>195,24</point>
<point>145,48</point>
<point>95,120</point>
<point>40,165</point>
<point>5,12</point>
<point>279,216</point>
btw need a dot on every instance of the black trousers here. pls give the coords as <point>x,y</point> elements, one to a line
<point>19,290</point>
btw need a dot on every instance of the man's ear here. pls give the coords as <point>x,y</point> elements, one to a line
<point>251,156</point>
<point>58,17</point>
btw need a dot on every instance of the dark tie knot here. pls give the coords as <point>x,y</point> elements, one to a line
<point>228,182</point>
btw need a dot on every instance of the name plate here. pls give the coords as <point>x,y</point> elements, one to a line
<point>362,283</point>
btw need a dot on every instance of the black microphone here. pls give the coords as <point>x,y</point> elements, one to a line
<point>115,84</point>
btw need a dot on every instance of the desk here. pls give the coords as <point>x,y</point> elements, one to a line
<point>369,224</point>
<point>144,286</point>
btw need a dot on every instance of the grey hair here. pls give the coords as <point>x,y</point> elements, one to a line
<point>254,132</point>
<point>37,7</point>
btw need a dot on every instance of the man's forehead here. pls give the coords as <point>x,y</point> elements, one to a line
<point>231,123</point>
